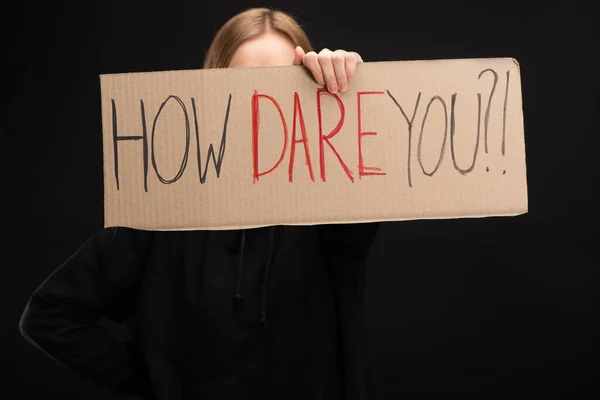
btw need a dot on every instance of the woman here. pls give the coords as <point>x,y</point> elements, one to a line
<point>268,313</point>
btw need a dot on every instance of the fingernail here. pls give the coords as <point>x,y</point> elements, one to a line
<point>332,88</point>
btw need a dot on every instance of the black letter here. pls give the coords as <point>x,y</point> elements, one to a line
<point>487,110</point>
<point>453,132</point>
<point>211,150</point>
<point>504,114</point>
<point>410,125</point>
<point>187,141</point>
<point>117,138</point>
<point>443,149</point>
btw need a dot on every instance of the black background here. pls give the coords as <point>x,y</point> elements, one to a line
<point>496,306</point>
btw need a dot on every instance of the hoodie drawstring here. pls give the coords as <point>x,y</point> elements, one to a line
<point>263,298</point>
<point>266,274</point>
<point>240,269</point>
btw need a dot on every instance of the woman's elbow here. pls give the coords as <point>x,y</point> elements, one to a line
<point>35,329</point>
<point>35,325</point>
<point>29,324</point>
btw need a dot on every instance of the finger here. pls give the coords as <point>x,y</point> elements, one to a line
<point>298,55</point>
<point>338,59</point>
<point>326,64</point>
<point>352,60</point>
<point>311,62</point>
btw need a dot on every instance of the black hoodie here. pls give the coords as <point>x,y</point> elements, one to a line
<point>268,313</point>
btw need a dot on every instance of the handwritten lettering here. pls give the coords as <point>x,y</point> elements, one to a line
<point>218,160</point>
<point>304,140</point>
<point>187,141</point>
<point>443,146</point>
<point>409,121</point>
<point>325,138</point>
<point>362,170</point>
<point>431,118</point>
<point>464,171</point>
<point>255,128</point>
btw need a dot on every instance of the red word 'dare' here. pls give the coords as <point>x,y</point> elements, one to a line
<point>324,139</point>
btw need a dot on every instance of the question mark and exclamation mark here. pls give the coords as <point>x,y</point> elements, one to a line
<point>487,113</point>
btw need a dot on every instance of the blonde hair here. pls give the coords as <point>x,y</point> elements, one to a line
<point>251,24</point>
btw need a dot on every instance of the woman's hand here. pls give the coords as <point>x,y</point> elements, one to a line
<point>333,69</point>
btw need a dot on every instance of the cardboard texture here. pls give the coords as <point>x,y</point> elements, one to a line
<point>240,148</point>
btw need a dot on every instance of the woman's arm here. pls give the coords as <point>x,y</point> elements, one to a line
<point>99,281</point>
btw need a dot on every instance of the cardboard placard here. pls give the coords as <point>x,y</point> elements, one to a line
<point>240,148</point>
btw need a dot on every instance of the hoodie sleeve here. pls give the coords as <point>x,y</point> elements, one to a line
<point>346,249</point>
<point>99,281</point>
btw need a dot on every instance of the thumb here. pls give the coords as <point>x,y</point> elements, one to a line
<point>298,56</point>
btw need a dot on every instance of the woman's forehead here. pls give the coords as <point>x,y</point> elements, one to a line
<point>269,50</point>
